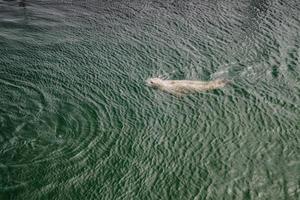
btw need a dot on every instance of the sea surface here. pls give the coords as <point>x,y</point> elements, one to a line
<point>77,120</point>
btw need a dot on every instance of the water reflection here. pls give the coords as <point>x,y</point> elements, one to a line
<point>22,3</point>
<point>258,8</point>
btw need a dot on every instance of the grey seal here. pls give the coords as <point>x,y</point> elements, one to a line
<point>180,87</point>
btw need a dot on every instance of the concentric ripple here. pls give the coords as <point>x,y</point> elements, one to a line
<point>38,128</point>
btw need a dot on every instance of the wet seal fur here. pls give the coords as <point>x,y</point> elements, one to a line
<point>181,87</point>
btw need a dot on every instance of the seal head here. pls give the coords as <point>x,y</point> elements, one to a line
<point>154,82</point>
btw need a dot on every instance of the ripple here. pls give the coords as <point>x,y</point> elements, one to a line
<point>39,128</point>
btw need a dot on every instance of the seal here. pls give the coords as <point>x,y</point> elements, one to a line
<point>181,87</point>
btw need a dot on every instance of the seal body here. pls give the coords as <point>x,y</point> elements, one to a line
<point>180,87</point>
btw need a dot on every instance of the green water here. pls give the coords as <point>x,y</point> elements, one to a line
<point>77,120</point>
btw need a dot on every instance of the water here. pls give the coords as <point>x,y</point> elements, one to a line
<point>78,122</point>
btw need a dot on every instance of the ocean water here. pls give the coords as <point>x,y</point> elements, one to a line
<point>77,120</point>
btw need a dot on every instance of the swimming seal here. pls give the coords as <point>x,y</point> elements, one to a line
<point>180,87</point>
